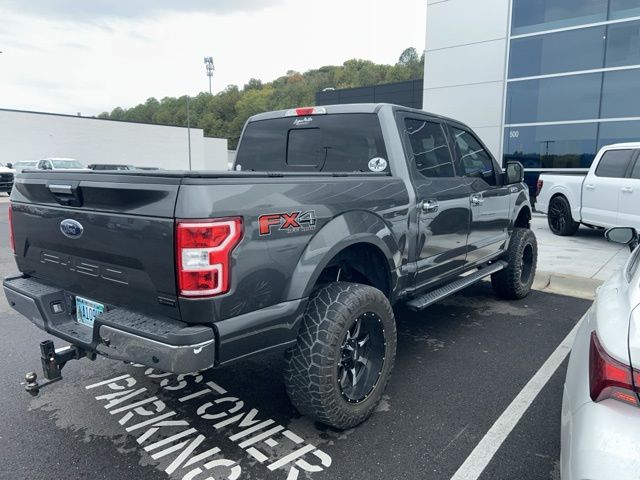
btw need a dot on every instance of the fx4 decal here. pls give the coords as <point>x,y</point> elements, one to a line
<point>288,222</point>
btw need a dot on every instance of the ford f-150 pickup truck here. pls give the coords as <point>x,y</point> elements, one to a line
<point>608,196</point>
<point>331,216</point>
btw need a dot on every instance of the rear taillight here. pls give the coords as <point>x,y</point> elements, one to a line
<point>609,378</point>
<point>305,111</point>
<point>539,186</point>
<point>203,253</point>
<point>12,240</point>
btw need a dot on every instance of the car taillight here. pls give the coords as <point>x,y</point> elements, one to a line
<point>609,378</point>
<point>305,111</point>
<point>12,240</point>
<point>203,251</point>
<point>539,186</point>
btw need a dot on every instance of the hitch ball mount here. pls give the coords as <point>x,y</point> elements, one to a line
<point>53,361</point>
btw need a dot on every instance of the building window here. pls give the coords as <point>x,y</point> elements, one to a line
<point>624,9</point>
<point>618,132</point>
<point>623,44</point>
<point>574,97</point>
<point>621,94</point>
<point>561,52</point>
<point>538,15</point>
<point>552,146</point>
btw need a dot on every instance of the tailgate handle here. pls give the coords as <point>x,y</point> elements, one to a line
<point>58,188</point>
<point>68,194</point>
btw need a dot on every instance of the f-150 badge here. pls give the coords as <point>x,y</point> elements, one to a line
<point>287,222</point>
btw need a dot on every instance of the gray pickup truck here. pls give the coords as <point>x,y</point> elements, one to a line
<point>331,216</point>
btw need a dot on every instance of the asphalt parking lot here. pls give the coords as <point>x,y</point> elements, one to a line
<point>460,364</point>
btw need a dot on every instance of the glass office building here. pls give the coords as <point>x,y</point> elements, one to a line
<point>545,82</point>
<point>573,82</point>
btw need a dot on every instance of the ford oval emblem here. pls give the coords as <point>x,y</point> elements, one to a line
<point>71,229</point>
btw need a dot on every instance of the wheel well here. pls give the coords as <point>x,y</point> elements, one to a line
<point>524,219</point>
<point>359,263</point>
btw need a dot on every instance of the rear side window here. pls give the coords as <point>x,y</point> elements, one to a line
<point>430,154</point>
<point>324,143</point>
<point>613,163</point>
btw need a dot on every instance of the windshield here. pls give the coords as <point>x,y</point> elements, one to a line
<point>66,164</point>
<point>326,143</point>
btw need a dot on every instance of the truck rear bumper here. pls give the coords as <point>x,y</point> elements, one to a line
<point>166,344</point>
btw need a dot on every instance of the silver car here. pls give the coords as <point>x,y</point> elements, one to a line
<point>601,400</point>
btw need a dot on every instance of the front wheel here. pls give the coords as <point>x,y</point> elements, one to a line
<point>560,219</point>
<point>338,370</point>
<point>515,280</point>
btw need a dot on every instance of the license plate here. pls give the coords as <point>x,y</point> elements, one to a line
<point>87,311</point>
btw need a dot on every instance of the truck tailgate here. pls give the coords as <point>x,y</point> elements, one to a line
<point>109,238</point>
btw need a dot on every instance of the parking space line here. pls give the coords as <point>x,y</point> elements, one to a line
<point>480,457</point>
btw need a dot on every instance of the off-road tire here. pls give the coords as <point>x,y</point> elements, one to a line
<point>515,280</point>
<point>559,218</point>
<point>311,367</point>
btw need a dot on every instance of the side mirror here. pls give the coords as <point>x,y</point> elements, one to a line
<point>625,235</point>
<point>514,173</point>
<point>9,165</point>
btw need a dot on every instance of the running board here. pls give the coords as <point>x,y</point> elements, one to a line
<point>423,301</point>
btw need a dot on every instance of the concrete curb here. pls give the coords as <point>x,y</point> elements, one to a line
<point>569,285</point>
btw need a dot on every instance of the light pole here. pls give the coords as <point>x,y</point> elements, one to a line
<point>208,62</point>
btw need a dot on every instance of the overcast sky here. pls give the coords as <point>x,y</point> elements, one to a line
<point>71,56</point>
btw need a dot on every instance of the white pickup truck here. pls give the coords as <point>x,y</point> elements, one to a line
<point>608,196</point>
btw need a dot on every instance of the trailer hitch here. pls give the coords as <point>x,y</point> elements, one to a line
<point>53,361</point>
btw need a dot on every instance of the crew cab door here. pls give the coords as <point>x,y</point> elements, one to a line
<point>442,198</point>
<point>489,201</point>
<point>629,209</point>
<point>601,190</point>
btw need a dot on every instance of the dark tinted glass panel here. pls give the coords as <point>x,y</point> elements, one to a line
<point>471,157</point>
<point>538,15</point>
<point>574,97</point>
<point>624,9</point>
<point>635,173</point>
<point>614,163</point>
<point>333,143</point>
<point>429,149</point>
<point>621,94</point>
<point>618,132</point>
<point>305,148</point>
<point>552,146</point>
<point>623,44</point>
<point>557,52</point>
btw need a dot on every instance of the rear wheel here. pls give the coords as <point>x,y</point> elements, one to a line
<point>560,219</point>
<point>515,280</point>
<point>346,348</point>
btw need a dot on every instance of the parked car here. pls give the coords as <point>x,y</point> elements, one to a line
<point>60,164</point>
<point>608,196</point>
<point>6,178</point>
<point>601,403</point>
<point>106,166</point>
<point>25,164</point>
<point>332,215</point>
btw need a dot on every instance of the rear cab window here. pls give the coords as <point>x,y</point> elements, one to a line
<point>350,142</point>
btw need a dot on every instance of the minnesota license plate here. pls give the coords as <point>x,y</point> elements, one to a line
<point>87,311</point>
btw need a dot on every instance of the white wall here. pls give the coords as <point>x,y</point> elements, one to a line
<point>465,63</point>
<point>30,136</point>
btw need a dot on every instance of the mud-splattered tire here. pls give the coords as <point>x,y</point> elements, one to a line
<point>333,328</point>
<point>515,280</point>
<point>559,218</point>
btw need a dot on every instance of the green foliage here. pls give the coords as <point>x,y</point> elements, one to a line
<point>224,114</point>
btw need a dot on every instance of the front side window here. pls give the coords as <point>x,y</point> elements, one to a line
<point>613,163</point>
<point>635,173</point>
<point>472,159</point>
<point>429,150</point>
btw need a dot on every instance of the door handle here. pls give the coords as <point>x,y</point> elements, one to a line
<point>589,186</point>
<point>476,200</point>
<point>627,189</point>
<point>430,206</point>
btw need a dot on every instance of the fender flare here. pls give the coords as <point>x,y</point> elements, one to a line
<point>350,228</point>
